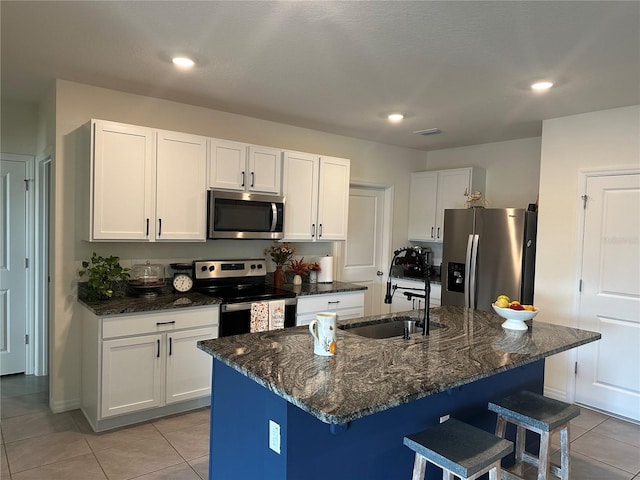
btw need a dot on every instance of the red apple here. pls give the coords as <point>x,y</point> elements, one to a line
<point>516,306</point>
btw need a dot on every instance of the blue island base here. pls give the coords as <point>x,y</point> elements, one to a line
<point>367,448</point>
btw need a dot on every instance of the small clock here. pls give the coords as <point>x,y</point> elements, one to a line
<point>182,282</point>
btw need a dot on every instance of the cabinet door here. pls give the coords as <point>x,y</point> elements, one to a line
<point>434,298</point>
<point>227,164</point>
<point>422,206</point>
<point>181,187</point>
<point>300,187</point>
<point>188,367</point>
<point>123,182</point>
<point>452,185</point>
<point>131,374</point>
<point>333,199</point>
<point>265,170</point>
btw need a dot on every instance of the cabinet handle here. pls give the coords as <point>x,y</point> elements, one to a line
<point>431,232</point>
<point>158,353</point>
<point>319,230</point>
<point>165,323</point>
<point>313,230</point>
<point>159,227</point>
<point>147,227</point>
<point>438,234</point>
<point>242,184</point>
<point>252,179</point>
<point>337,301</point>
<point>170,345</point>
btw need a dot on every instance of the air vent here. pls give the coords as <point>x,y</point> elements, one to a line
<point>429,131</point>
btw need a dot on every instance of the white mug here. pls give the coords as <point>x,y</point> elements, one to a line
<point>323,330</point>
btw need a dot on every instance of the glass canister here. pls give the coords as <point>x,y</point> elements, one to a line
<point>147,277</point>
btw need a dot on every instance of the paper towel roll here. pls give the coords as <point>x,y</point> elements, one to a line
<point>326,270</point>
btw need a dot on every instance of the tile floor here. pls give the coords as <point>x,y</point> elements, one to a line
<point>36,444</point>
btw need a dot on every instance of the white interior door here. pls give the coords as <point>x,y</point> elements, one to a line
<point>362,253</point>
<point>608,371</point>
<point>13,272</point>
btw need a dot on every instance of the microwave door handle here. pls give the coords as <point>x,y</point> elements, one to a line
<point>274,216</point>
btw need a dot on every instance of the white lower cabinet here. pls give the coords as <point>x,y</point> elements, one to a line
<point>142,366</point>
<point>346,305</point>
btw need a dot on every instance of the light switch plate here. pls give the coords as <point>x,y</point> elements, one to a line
<point>274,436</point>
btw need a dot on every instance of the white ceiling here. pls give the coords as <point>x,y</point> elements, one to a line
<point>340,67</point>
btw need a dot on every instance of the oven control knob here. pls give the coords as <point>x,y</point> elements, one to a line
<point>259,266</point>
<point>253,266</point>
<point>212,268</point>
<point>203,268</point>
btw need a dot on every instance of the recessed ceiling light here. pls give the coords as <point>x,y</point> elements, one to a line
<point>396,117</point>
<point>183,62</point>
<point>541,86</point>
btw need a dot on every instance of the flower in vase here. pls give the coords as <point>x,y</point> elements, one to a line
<point>298,267</point>
<point>280,253</point>
<point>314,266</point>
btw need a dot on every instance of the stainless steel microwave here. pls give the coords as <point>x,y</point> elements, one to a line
<point>245,215</point>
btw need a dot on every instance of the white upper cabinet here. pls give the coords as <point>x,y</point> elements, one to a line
<point>317,197</point>
<point>181,190</point>
<point>241,167</point>
<point>433,192</point>
<point>122,181</point>
<point>146,184</point>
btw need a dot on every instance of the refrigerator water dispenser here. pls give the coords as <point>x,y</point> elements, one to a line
<point>455,277</point>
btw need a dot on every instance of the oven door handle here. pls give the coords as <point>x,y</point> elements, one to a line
<point>237,307</point>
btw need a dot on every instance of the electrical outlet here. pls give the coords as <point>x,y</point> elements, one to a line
<point>274,436</point>
<point>444,418</point>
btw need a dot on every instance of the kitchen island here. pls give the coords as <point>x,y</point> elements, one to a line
<point>344,417</point>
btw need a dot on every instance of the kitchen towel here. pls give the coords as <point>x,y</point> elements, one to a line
<point>326,270</point>
<point>276,314</point>
<point>259,317</point>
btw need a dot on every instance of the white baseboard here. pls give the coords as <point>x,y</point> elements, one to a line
<point>64,406</point>
<point>555,393</point>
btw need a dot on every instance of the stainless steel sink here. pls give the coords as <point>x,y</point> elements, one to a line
<point>395,327</point>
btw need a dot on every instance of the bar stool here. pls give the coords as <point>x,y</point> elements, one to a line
<point>545,416</point>
<point>459,449</point>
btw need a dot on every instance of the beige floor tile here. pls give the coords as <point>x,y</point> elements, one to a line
<point>608,450</point>
<point>575,432</point>
<point>13,385</point>
<point>182,421</point>
<point>83,467</point>
<point>43,450</point>
<point>190,443</point>
<point>35,424</point>
<point>620,430</point>
<point>583,468</point>
<point>24,405</point>
<point>178,472</point>
<point>121,437</point>
<point>4,465</point>
<point>588,419</point>
<point>201,466</point>
<point>138,458</point>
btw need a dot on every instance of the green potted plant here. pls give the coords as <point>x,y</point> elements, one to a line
<point>104,274</point>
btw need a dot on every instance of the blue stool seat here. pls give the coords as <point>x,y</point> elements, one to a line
<point>459,449</point>
<point>544,416</point>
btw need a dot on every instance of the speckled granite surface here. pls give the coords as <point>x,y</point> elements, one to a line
<point>167,298</point>
<point>368,376</point>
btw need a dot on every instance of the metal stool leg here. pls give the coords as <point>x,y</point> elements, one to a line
<point>521,440</point>
<point>564,453</point>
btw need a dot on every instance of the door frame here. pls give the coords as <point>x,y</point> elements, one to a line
<point>387,231</point>
<point>583,176</point>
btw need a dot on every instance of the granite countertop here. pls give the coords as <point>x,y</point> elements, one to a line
<point>367,376</point>
<point>167,298</point>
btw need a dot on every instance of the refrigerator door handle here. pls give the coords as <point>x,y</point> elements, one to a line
<point>472,274</point>
<point>467,269</point>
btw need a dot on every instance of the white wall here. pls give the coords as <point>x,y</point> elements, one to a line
<point>513,169</point>
<point>606,139</point>
<point>75,104</point>
<point>19,123</point>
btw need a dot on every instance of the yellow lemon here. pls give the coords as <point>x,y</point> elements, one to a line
<point>502,303</point>
<point>503,297</point>
<point>529,307</point>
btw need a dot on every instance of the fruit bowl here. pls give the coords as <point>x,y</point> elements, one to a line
<point>515,318</point>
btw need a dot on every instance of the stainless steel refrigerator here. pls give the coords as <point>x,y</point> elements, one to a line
<point>488,252</point>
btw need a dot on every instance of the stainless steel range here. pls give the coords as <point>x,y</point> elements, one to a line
<point>239,283</point>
